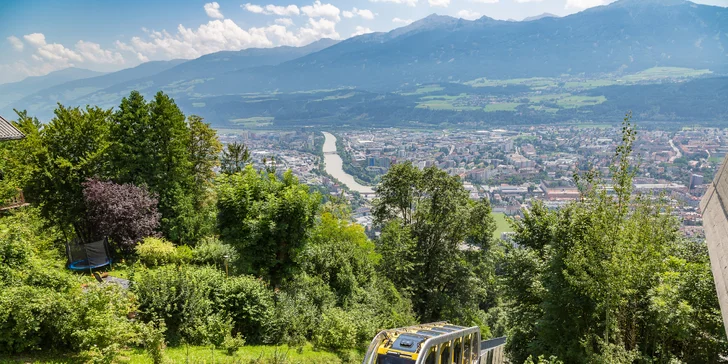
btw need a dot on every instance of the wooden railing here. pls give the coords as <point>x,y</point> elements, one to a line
<point>14,202</point>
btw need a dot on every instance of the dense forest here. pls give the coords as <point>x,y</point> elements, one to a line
<point>249,258</point>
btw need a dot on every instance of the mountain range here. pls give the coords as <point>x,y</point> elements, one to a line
<point>617,40</point>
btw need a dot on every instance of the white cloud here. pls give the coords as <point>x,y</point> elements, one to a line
<point>319,10</point>
<point>16,42</point>
<point>584,4</point>
<point>283,10</point>
<point>317,29</point>
<point>406,2</point>
<point>35,39</point>
<point>49,57</point>
<point>213,10</point>
<point>253,8</point>
<point>52,52</point>
<point>271,9</point>
<point>485,1</point>
<point>92,52</point>
<point>364,13</point>
<point>440,3</point>
<point>529,1</point>
<point>287,22</point>
<point>216,35</point>
<point>402,21</point>
<point>468,14</point>
<point>361,30</point>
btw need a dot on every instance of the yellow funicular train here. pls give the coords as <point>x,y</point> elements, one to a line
<point>434,343</point>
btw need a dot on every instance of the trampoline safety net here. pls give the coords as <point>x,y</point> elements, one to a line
<point>89,255</point>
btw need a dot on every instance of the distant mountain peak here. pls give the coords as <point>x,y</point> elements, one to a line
<point>643,3</point>
<point>540,16</point>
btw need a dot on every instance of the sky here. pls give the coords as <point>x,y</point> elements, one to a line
<point>42,36</point>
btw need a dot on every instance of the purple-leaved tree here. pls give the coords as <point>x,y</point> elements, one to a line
<point>124,212</point>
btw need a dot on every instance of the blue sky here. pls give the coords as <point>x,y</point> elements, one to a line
<point>41,36</point>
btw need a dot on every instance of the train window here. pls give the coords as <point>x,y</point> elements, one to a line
<point>445,356</point>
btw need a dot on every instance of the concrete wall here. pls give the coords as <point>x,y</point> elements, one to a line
<point>715,221</point>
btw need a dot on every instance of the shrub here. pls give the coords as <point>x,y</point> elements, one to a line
<point>125,213</point>
<point>299,309</point>
<point>211,329</point>
<point>102,318</point>
<point>251,306</point>
<point>232,344</point>
<point>33,318</point>
<point>182,297</point>
<point>151,337</point>
<point>212,251</point>
<point>337,331</point>
<point>155,251</point>
<point>183,254</point>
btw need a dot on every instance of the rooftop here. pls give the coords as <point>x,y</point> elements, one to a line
<point>8,131</point>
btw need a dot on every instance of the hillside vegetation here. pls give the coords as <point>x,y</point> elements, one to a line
<point>254,259</point>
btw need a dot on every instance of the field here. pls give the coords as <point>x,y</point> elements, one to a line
<point>503,106</point>
<point>254,122</point>
<point>501,223</point>
<point>203,354</point>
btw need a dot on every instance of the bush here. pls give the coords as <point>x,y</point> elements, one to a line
<point>232,344</point>
<point>33,318</point>
<point>337,331</point>
<point>125,213</point>
<point>183,254</point>
<point>151,337</point>
<point>102,318</point>
<point>299,309</point>
<point>250,304</point>
<point>155,251</point>
<point>183,297</point>
<point>212,251</point>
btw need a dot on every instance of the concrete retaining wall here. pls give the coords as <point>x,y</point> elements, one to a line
<point>715,221</point>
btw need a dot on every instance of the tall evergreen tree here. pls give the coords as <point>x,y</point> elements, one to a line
<point>130,154</point>
<point>235,157</point>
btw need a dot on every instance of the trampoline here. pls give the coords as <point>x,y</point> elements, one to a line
<point>88,256</point>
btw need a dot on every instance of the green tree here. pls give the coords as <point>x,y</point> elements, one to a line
<point>131,154</point>
<point>71,150</point>
<point>601,279</point>
<point>340,253</point>
<point>266,219</point>
<point>234,158</point>
<point>153,144</point>
<point>204,151</point>
<point>430,213</point>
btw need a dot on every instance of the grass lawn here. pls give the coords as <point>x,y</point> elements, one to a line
<point>444,105</point>
<point>579,101</point>
<point>501,223</point>
<point>204,354</point>
<point>247,354</point>
<point>503,106</point>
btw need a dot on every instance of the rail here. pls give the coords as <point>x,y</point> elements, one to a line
<point>493,351</point>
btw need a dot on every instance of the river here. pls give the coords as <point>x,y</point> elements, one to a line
<point>335,166</point>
